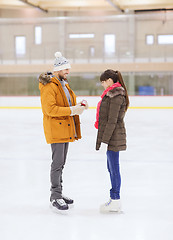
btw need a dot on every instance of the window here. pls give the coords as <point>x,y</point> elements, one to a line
<point>149,39</point>
<point>109,43</point>
<point>92,51</point>
<point>81,35</point>
<point>38,35</point>
<point>165,39</point>
<point>20,45</point>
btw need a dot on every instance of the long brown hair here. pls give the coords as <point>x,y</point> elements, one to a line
<point>116,77</point>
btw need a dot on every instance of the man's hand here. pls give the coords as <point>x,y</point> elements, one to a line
<point>84,103</point>
<point>76,110</point>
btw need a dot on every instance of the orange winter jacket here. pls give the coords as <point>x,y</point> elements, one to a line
<point>59,126</point>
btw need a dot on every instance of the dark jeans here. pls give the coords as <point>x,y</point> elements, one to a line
<point>59,153</point>
<point>114,171</point>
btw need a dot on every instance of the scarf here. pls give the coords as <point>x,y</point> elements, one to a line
<point>117,84</point>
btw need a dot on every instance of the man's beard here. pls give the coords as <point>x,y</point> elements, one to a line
<point>62,78</point>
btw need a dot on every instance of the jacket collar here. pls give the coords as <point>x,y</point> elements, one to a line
<point>115,92</point>
<point>46,78</point>
<point>111,91</point>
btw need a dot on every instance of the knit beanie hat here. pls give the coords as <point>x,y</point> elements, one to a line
<point>60,62</point>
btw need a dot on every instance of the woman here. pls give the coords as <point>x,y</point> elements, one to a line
<point>111,130</point>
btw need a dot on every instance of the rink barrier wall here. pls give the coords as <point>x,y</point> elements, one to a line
<point>20,107</point>
<point>136,102</point>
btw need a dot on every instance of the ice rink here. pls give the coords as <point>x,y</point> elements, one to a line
<point>146,171</point>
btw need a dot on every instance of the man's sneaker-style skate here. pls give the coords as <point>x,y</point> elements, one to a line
<point>67,200</point>
<point>59,205</point>
<point>111,206</point>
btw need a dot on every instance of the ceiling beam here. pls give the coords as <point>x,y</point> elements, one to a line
<point>154,10</point>
<point>111,2</point>
<point>33,5</point>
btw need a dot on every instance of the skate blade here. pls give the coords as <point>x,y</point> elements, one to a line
<point>116,212</point>
<point>71,206</point>
<point>58,211</point>
<point>112,212</point>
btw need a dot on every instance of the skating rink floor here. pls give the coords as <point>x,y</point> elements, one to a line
<point>146,171</point>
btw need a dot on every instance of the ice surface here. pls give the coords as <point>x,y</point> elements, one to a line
<point>146,169</point>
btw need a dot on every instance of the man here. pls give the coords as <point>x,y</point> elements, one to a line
<point>61,123</point>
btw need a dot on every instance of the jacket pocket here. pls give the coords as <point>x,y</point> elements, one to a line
<point>60,129</point>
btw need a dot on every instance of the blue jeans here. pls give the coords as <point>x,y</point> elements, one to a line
<point>114,171</point>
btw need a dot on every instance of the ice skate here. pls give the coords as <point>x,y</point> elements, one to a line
<point>59,205</point>
<point>67,200</point>
<point>112,206</point>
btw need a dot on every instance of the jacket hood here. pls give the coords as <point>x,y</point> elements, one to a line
<point>115,92</point>
<point>45,78</point>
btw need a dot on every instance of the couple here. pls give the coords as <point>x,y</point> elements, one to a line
<point>61,126</point>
